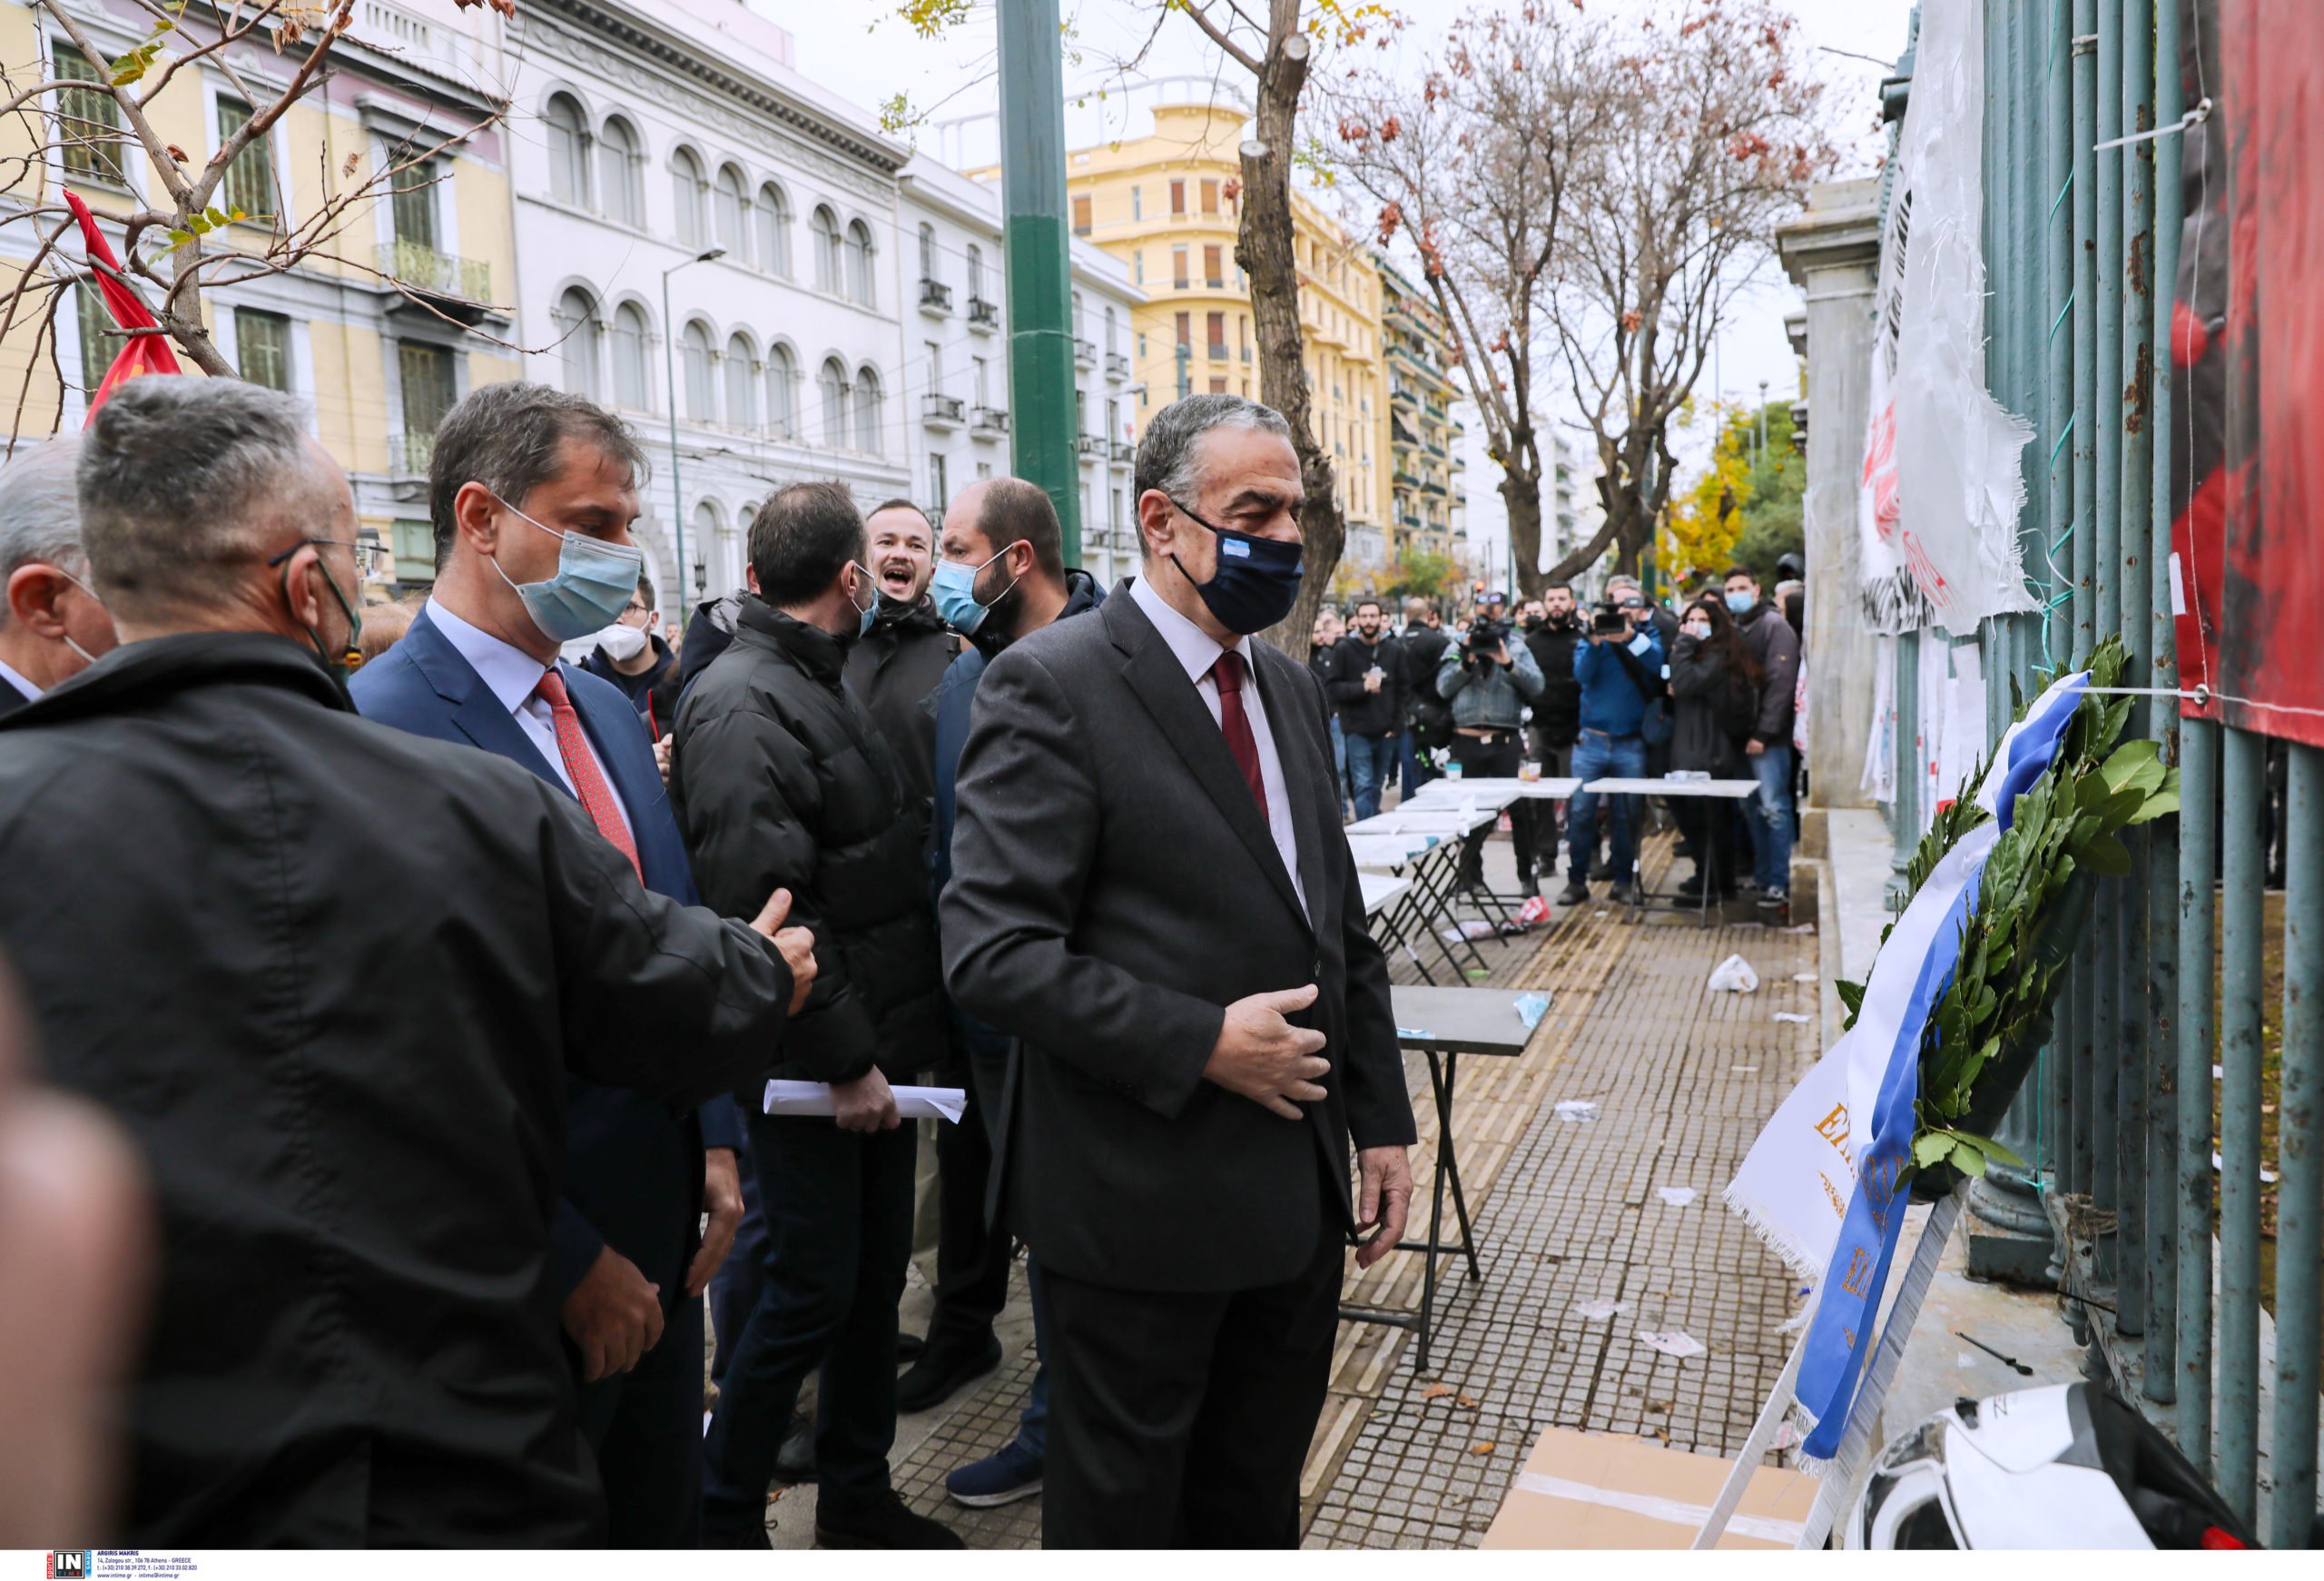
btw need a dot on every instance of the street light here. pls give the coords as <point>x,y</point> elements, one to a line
<point>670,388</point>
<point>1763,419</point>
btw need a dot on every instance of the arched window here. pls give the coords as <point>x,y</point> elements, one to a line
<point>741,385</point>
<point>685,191</point>
<point>617,161</point>
<point>577,333</point>
<point>708,542</point>
<point>693,366</point>
<point>859,265</point>
<point>928,252</point>
<point>568,152</point>
<point>774,216</point>
<point>832,384</point>
<point>632,387</point>
<point>728,204</point>
<point>976,272</point>
<point>1110,347</point>
<point>867,411</point>
<point>824,234</point>
<point>781,413</point>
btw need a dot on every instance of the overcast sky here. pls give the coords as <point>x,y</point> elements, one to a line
<point>855,48</point>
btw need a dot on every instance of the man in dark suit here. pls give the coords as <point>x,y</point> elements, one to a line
<point>1150,892</point>
<point>52,627</point>
<point>520,472</point>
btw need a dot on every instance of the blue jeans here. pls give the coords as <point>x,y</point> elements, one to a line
<point>1597,755</point>
<point>1339,763</point>
<point>1416,774</point>
<point>1371,759</point>
<point>1771,819</point>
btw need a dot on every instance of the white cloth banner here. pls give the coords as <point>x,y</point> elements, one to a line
<point>1941,493</point>
<point>813,1098</point>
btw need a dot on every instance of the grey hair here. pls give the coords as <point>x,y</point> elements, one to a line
<point>182,482</point>
<point>1166,456</point>
<point>40,513</point>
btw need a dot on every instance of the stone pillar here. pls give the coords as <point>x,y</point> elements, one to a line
<point>1831,251</point>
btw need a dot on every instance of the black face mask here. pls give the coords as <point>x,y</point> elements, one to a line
<point>348,660</point>
<point>1255,583</point>
<point>1535,622</point>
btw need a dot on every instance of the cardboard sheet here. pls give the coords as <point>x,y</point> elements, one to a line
<point>1604,1490</point>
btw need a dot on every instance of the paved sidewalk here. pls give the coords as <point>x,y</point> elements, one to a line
<point>1565,1213</point>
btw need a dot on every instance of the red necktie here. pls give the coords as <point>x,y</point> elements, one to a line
<point>1229,673</point>
<point>581,764</point>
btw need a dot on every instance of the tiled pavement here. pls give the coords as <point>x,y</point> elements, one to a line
<point>1564,1212</point>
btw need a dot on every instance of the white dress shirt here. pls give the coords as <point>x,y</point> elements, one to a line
<point>31,692</point>
<point>511,674</point>
<point>1196,650</point>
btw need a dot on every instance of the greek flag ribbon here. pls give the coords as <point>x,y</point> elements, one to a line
<point>1820,1185</point>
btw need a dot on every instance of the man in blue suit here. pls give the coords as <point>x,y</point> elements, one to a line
<point>531,493</point>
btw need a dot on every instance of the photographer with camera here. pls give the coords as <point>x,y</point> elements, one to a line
<point>1488,684</point>
<point>1620,667</point>
<point>1552,637</point>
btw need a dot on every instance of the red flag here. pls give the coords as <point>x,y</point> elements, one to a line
<point>142,353</point>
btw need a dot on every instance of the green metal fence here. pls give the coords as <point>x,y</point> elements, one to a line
<point>2082,243</point>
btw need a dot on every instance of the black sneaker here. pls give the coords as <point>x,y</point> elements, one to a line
<point>795,1461</point>
<point>1525,881</point>
<point>943,1370</point>
<point>1775,900</point>
<point>1575,893</point>
<point>1622,894</point>
<point>1600,870</point>
<point>884,1523</point>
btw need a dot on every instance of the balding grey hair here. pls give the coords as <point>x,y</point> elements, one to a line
<point>40,513</point>
<point>1166,455</point>
<point>183,484</point>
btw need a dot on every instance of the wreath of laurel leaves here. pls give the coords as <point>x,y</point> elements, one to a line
<point>2070,821</point>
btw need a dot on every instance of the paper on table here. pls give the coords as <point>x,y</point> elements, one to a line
<point>812,1098</point>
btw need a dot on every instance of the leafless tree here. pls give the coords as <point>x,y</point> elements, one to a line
<point>1471,162</point>
<point>179,240</point>
<point>1710,133</point>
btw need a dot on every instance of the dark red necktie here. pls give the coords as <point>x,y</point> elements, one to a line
<point>597,796</point>
<point>1229,673</point>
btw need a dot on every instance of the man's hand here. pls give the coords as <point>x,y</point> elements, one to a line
<point>1382,1200</point>
<point>614,1315</point>
<point>662,758</point>
<point>1755,748</point>
<point>797,945</point>
<point>1501,655</point>
<point>1371,680</point>
<point>865,1103</point>
<point>722,1197</point>
<point>1265,1058</point>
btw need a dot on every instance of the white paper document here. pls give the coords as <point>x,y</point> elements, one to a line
<point>811,1098</point>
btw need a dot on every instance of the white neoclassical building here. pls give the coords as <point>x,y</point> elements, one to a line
<point>956,359</point>
<point>646,133</point>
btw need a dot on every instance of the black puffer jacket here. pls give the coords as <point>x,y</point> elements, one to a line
<point>895,668</point>
<point>780,779</point>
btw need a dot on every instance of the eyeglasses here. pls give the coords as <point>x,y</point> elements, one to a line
<point>371,558</point>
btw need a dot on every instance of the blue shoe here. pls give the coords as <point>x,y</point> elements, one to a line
<point>1004,1476</point>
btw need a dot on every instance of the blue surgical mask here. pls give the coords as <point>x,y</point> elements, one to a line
<point>592,586</point>
<point>865,613</point>
<point>1741,603</point>
<point>954,588</point>
<point>1255,583</point>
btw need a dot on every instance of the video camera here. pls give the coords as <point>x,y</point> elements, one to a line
<point>1607,619</point>
<point>1487,638</point>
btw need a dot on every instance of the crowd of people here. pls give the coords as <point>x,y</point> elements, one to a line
<point>425,966</point>
<point>1626,689</point>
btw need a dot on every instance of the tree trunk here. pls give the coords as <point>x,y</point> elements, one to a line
<point>1520,497</point>
<point>1263,247</point>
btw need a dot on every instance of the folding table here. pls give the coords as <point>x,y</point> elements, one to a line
<point>1416,859</point>
<point>1443,1024</point>
<point>1439,878</point>
<point>1731,790</point>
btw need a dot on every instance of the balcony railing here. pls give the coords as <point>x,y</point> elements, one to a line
<point>424,269</point>
<point>1116,365</point>
<point>940,409</point>
<point>1125,453</point>
<point>1085,352</point>
<point>1218,351</point>
<point>1092,447</point>
<point>935,297</point>
<point>988,420</point>
<point>409,453</point>
<point>983,314</point>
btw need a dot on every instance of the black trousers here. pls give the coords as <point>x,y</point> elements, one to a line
<point>838,1208</point>
<point>1495,759</point>
<point>972,1260</point>
<point>1709,828</point>
<point>1181,1420</point>
<point>644,1426</point>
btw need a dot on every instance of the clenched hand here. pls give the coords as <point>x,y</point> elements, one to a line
<point>1383,1201</point>
<point>797,945</point>
<point>614,1315</point>
<point>722,1198</point>
<point>866,1103</point>
<point>1265,1058</point>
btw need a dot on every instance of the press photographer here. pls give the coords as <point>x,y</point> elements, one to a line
<point>1620,667</point>
<point>1488,684</point>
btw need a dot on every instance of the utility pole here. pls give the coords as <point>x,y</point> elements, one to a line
<point>670,388</point>
<point>1763,423</point>
<point>1186,381</point>
<point>1037,253</point>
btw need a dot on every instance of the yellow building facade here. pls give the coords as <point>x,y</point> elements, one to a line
<point>381,325</point>
<point>1167,204</point>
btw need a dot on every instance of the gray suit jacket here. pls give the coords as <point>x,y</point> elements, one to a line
<point>1114,888</point>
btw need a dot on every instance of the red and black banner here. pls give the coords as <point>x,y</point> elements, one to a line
<point>2247,575</point>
